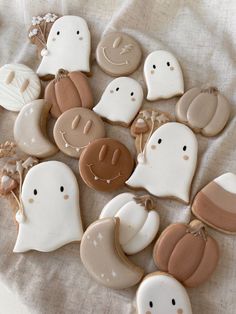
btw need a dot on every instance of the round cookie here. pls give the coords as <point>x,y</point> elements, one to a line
<point>118,54</point>
<point>75,129</point>
<point>19,85</point>
<point>105,164</point>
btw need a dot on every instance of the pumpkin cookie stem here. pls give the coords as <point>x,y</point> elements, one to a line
<point>210,90</point>
<point>197,228</point>
<point>61,74</point>
<point>146,200</point>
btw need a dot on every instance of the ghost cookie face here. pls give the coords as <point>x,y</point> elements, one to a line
<point>51,210</point>
<point>161,293</point>
<point>103,257</point>
<point>168,163</point>
<point>75,129</point>
<point>19,85</point>
<point>118,54</point>
<point>105,164</point>
<point>163,75</point>
<point>120,101</point>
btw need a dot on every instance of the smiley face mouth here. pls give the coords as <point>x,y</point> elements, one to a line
<point>68,145</point>
<point>96,177</point>
<point>126,62</point>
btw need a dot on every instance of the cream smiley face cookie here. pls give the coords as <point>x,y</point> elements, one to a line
<point>161,293</point>
<point>51,209</point>
<point>163,75</point>
<point>75,129</point>
<point>168,163</point>
<point>120,101</point>
<point>68,47</point>
<point>118,54</point>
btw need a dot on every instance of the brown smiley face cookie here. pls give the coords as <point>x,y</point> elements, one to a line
<point>75,129</point>
<point>105,164</point>
<point>118,54</point>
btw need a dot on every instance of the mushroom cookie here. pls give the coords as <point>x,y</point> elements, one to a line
<point>105,164</point>
<point>118,54</point>
<point>120,101</point>
<point>19,85</point>
<point>204,110</point>
<point>139,222</point>
<point>51,209</point>
<point>215,204</point>
<point>103,257</point>
<point>68,47</point>
<point>163,75</point>
<point>161,293</point>
<point>168,163</point>
<point>75,129</point>
<point>30,130</point>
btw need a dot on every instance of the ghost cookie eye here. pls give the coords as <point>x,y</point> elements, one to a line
<point>117,89</point>
<point>159,141</point>
<point>35,192</point>
<point>77,32</point>
<point>132,94</point>
<point>151,304</point>
<point>58,32</point>
<point>168,63</point>
<point>154,66</point>
<point>173,302</point>
<point>62,188</point>
<point>184,148</point>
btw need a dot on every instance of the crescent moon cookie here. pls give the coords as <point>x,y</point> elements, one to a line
<point>161,293</point>
<point>118,54</point>
<point>215,204</point>
<point>103,257</point>
<point>139,222</point>
<point>121,101</point>
<point>204,110</point>
<point>68,47</point>
<point>105,164</point>
<point>75,129</point>
<point>167,165</point>
<point>163,75</point>
<point>30,130</point>
<point>19,85</point>
<point>51,209</point>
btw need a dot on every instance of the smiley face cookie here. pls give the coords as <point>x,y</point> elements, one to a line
<point>118,54</point>
<point>75,129</point>
<point>105,164</point>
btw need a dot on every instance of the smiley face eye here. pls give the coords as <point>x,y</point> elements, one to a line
<point>102,153</point>
<point>58,33</point>
<point>117,89</point>
<point>173,302</point>
<point>168,63</point>
<point>151,304</point>
<point>115,157</point>
<point>132,94</point>
<point>154,66</point>
<point>159,141</point>
<point>35,192</point>
<point>62,188</point>
<point>77,32</point>
<point>184,148</point>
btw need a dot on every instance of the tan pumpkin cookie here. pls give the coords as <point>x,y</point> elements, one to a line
<point>75,129</point>
<point>68,90</point>
<point>206,111</point>
<point>105,164</point>
<point>103,257</point>
<point>186,252</point>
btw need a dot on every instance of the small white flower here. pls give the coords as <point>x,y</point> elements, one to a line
<point>50,17</point>
<point>33,32</point>
<point>36,20</point>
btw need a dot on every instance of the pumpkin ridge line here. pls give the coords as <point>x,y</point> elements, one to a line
<point>174,249</point>
<point>77,90</point>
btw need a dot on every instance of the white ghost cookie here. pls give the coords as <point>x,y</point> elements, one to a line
<point>50,198</point>
<point>161,293</point>
<point>168,163</point>
<point>120,101</point>
<point>139,222</point>
<point>163,75</point>
<point>68,47</point>
<point>19,85</point>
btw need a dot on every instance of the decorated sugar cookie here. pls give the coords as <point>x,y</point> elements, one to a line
<point>103,257</point>
<point>204,110</point>
<point>30,130</point>
<point>162,294</point>
<point>51,209</point>
<point>68,47</point>
<point>75,129</point>
<point>19,85</point>
<point>215,204</point>
<point>163,75</point>
<point>105,164</point>
<point>120,101</point>
<point>118,54</point>
<point>139,222</point>
<point>171,253</point>
<point>167,165</point>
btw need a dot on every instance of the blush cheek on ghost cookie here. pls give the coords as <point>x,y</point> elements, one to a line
<point>66,197</point>
<point>180,311</point>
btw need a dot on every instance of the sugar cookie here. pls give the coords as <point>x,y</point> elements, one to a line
<point>103,257</point>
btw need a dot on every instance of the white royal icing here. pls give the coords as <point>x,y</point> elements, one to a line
<point>50,197</point>
<point>120,101</point>
<point>68,46</point>
<point>163,75</point>
<point>227,181</point>
<point>167,169</point>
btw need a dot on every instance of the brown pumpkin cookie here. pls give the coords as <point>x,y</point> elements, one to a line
<point>105,164</point>
<point>186,252</point>
<point>68,90</point>
<point>75,129</point>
